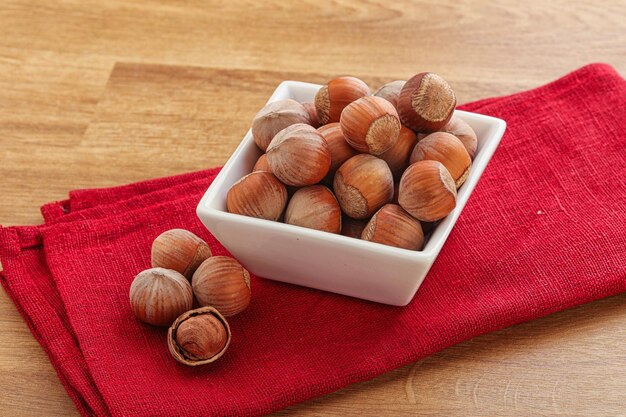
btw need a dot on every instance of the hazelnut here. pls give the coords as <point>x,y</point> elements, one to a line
<point>221,282</point>
<point>199,337</point>
<point>310,108</point>
<point>314,207</point>
<point>274,117</point>
<point>363,184</point>
<point>339,149</point>
<point>261,164</point>
<point>426,102</point>
<point>299,155</point>
<point>397,157</point>
<point>258,194</point>
<point>159,295</point>
<point>427,191</point>
<point>352,227</point>
<point>180,250</point>
<point>393,226</point>
<point>459,128</point>
<point>448,150</point>
<point>333,97</point>
<point>370,124</point>
<point>391,92</point>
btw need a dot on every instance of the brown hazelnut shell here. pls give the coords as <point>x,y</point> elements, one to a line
<point>397,157</point>
<point>447,149</point>
<point>427,191</point>
<point>340,150</point>
<point>183,356</point>
<point>362,185</point>
<point>261,164</point>
<point>299,155</point>
<point>370,124</point>
<point>333,97</point>
<point>180,250</point>
<point>426,102</point>
<point>459,128</point>
<point>393,226</point>
<point>221,282</point>
<point>314,207</point>
<point>391,92</point>
<point>258,194</point>
<point>314,119</point>
<point>159,295</point>
<point>274,117</point>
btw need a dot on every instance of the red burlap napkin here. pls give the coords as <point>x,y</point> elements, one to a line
<point>543,231</point>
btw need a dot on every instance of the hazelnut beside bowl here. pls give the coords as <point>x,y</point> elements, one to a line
<point>221,282</point>
<point>199,337</point>
<point>159,295</point>
<point>180,250</point>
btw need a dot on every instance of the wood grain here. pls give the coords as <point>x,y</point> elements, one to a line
<point>60,128</point>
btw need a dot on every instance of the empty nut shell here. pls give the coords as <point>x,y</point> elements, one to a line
<point>448,150</point>
<point>370,124</point>
<point>391,92</point>
<point>427,191</point>
<point>397,157</point>
<point>159,295</point>
<point>274,117</point>
<point>314,207</point>
<point>459,128</point>
<point>180,250</point>
<point>299,155</point>
<point>199,337</point>
<point>258,194</point>
<point>393,226</point>
<point>333,97</point>
<point>362,185</point>
<point>426,102</point>
<point>221,282</point>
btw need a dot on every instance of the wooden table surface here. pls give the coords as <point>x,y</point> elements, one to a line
<point>79,89</point>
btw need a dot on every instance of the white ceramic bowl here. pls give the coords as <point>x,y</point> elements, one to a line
<point>323,260</point>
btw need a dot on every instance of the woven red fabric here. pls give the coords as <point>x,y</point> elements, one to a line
<point>543,231</point>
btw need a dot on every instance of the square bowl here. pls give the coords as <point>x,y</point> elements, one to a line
<point>327,261</point>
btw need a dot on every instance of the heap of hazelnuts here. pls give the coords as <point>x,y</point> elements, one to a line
<point>183,267</point>
<point>382,167</point>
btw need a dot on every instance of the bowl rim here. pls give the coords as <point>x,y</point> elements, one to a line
<point>431,248</point>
